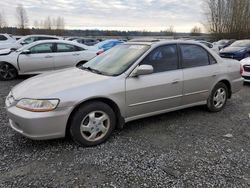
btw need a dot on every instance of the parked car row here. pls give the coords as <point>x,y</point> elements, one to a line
<point>35,54</point>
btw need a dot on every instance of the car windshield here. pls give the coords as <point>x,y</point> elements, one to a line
<point>241,44</point>
<point>116,60</point>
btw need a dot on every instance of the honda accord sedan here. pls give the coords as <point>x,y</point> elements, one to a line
<point>131,81</point>
<point>43,56</point>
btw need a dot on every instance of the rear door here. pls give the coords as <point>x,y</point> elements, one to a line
<point>161,90</point>
<point>66,55</point>
<point>200,71</point>
<point>39,60</point>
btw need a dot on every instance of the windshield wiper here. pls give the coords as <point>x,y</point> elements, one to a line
<point>92,70</point>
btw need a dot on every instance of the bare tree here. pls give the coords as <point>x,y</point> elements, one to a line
<point>60,25</point>
<point>36,24</point>
<point>22,17</point>
<point>170,31</point>
<point>195,31</point>
<point>228,18</point>
<point>47,23</point>
<point>2,20</point>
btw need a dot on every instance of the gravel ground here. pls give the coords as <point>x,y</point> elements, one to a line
<point>187,148</point>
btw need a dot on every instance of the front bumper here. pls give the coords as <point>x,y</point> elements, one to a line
<point>39,125</point>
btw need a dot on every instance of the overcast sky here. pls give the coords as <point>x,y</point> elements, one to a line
<point>151,15</point>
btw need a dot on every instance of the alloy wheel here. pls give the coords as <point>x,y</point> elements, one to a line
<point>7,71</point>
<point>95,126</point>
<point>219,98</point>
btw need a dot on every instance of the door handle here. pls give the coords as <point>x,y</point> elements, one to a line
<point>76,54</point>
<point>215,74</point>
<point>175,81</point>
<point>48,56</point>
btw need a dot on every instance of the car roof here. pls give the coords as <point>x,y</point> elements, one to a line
<point>41,36</point>
<point>167,41</point>
<point>60,41</point>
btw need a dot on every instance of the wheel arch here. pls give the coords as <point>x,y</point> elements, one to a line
<point>15,66</point>
<point>81,62</point>
<point>227,83</point>
<point>119,119</point>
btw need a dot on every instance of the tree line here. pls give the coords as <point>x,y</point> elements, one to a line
<point>228,19</point>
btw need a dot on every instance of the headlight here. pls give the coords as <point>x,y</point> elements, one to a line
<point>242,50</point>
<point>38,105</point>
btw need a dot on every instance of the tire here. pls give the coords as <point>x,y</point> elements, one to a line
<point>7,72</point>
<point>81,63</point>
<point>92,124</point>
<point>218,98</point>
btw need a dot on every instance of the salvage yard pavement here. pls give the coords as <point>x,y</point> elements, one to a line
<point>187,148</point>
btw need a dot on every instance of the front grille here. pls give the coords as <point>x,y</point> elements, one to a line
<point>246,77</point>
<point>246,68</point>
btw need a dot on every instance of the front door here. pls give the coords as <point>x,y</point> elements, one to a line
<point>159,91</point>
<point>39,60</point>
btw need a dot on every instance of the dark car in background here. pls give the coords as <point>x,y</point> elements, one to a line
<point>87,41</point>
<point>238,50</point>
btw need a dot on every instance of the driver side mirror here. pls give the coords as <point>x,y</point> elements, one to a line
<point>26,52</point>
<point>23,43</point>
<point>142,70</point>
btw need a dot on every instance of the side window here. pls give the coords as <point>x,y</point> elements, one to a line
<point>42,48</point>
<point>164,58</point>
<point>193,56</point>
<point>46,38</point>
<point>66,48</point>
<point>3,38</point>
<point>212,60</point>
<point>29,40</point>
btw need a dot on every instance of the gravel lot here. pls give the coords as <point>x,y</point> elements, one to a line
<point>187,148</point>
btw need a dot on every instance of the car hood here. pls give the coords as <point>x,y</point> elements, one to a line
<point>232,49</point>
<point>50,84</point>
<point>245,61</point>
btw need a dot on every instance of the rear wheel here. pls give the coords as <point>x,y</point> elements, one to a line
<point>7,71</point>
<point>218,98</point>
<point>92,124</point>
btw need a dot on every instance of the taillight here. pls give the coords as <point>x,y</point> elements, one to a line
<point>100,52</point>
<point>241,69</point>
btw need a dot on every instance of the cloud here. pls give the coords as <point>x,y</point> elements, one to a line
<point>112,14</point>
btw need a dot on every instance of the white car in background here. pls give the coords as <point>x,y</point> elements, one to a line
<point>246,69</point>
<point>210,45</point>
<point>27,40</point>
<point>5,40</point>
<point>43,56</point>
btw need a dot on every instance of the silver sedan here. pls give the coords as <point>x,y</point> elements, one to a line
<point>128,82</point>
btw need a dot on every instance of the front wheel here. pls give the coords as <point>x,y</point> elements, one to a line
<point>7,71</point>
<point>218,98</point>
<point>92,124</point>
